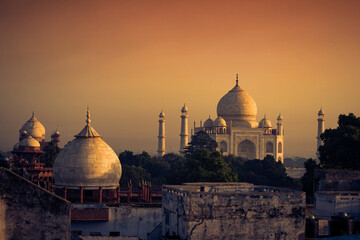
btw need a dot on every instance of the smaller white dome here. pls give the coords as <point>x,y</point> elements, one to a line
<point>265,123</point>
<point>220,122</point>
<point>209,123</point>
<point>29,141</point>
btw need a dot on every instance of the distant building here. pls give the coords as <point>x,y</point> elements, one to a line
<point>28,151</point>
<point>238,133</point>
<point>232,211</point>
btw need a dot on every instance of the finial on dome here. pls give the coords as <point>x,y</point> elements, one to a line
<point>88,121</point>
<point>33,113</point>
<point>237,79</point>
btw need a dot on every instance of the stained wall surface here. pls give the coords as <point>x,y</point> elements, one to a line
<point>30,212</point>
<point>264,213</point>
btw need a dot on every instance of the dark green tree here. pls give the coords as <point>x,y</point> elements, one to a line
<point>307,180</point>
<point>51,152</point>
<point>265,172</point>
<point>200,140</point>
<point>206,166</point>
<point>341,146</point>
<point>135,174</point>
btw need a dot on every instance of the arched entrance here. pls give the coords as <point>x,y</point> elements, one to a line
<point>246,149</point>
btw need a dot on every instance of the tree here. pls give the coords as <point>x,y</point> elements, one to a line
<point>341,146</point>
<point>51,152</point>
<point>200,140</point>
<point>265,172</point>
<point>307,180</point>
<point>206,166</point>
<point>135,174</point>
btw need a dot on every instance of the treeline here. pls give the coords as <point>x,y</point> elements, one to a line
<point>202,163</point>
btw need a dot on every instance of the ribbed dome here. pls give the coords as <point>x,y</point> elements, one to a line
<point>34,128</point>
<point>265,123</point>
<point>87,161</point>
<point>29,141</point>
<point>239,107</point>
<point>209,123</point>
<point>219,122</point>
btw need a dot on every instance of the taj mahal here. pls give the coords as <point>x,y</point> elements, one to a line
<point>235,129</point>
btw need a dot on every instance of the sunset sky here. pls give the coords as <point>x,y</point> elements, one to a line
<point>128,60</point>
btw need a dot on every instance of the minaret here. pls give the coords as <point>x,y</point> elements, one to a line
<point>55,138</point>
<point>184,135</point>
<point>280,125</point>
<point>321,128</point>
<point>161,138</point>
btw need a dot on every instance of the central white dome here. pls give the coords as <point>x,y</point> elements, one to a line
<point>87,161</point>
<point>238,107</point>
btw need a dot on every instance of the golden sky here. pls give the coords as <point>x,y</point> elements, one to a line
<point>128,60</point>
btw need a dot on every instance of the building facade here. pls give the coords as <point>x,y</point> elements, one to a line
<point>238,133</point>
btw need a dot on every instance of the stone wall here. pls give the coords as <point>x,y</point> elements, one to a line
<point>337,180</point>
<point>329,204</point>
<point>126,221</point>
<point>30,212</point>
<point>265,213</point>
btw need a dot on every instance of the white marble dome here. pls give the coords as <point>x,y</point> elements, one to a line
<point>238,107</point>
<point>265,123</point>
<point>87,161</point>
<point>209,123</point>
<point>34,128</point>
<point>29,141</point>
<point>220,122</point>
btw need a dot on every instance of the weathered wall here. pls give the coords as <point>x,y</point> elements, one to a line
<point>130,221</point>
<point>30,212</point>
<point>329,204</point>
<point>337,180</point>
<point>237,215</point>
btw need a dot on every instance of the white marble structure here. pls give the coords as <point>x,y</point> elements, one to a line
<point>321,129</point>
<point>238,133</point>
<point>184,134</point>
<point>161,138</point>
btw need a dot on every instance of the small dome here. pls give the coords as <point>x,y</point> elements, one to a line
<point>265,123</point>
<point>162,114</point>
<point>29,141</point>
<point>280,117</point>
<point>321,112</point>
<point>34,128</point>
<point>220,122</point>
<point>184,109</point>
<point>239,107</point>
<point>87,161</point>
<point>56,132</point>
<point>209,123</point>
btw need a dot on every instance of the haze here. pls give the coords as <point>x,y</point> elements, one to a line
<point>128,60</point>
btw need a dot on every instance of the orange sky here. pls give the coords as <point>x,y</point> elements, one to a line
<point>130,59</point>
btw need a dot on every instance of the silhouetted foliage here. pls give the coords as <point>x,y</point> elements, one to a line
<point>206,166</point>
<point>261,172</point>
<point>307,180</point>
<point>51,152</point>
<point>135,174</point>
<point>200,140</point>
<point>341,146</point>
